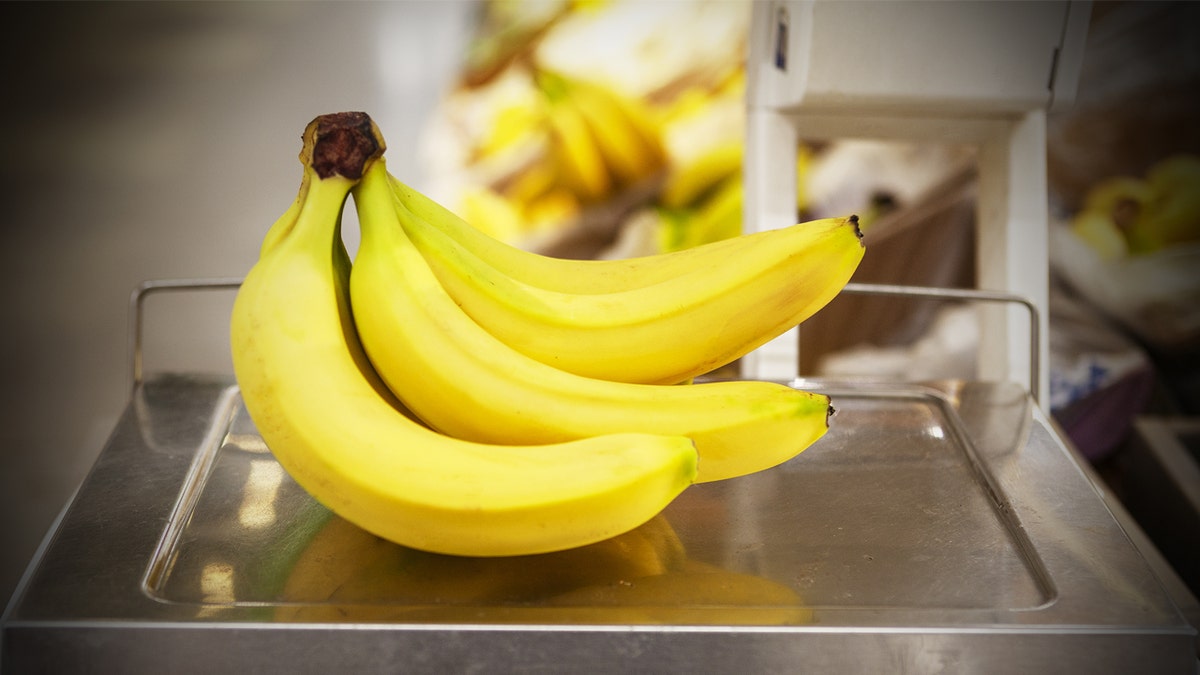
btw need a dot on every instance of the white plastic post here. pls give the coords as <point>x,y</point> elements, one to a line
<point>1012,251</point>
<point>769,175</point>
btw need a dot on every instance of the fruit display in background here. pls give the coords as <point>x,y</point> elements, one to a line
<point>578,133</point>
<point>601,141</point>
<point>1172,214</point>
<point>1140,215</point>
<point>1132,251</point>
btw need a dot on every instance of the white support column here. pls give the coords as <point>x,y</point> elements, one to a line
<point>1012,253</point>
<point>769,176</point>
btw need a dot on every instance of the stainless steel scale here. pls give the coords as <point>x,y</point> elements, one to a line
<point>938,526</point>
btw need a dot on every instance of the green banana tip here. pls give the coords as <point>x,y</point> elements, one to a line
<point>341,144</point>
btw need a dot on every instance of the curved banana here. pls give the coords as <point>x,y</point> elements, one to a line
<point>1172,215</point>
<point>688,182</point>
<point>332,425</point>
<point>574,276</point>
<point>630,154</point>
<point>718,217</point>
<point>579,159</point>
<point>466,383</point>
<point>705,317</point>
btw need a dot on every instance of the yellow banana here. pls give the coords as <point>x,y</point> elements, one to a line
<point>332,425</point>
<point>580,276</point>
<point>630,154</point>
<point>579,159</point>
<point>705,317</point>
<point>1100,231</point>
<point>466,383</point>
<point>718,218</point>
<point>1172,215</point>
<point>1111,208</point>
<point>1122,197</point>
<point>689,181</point>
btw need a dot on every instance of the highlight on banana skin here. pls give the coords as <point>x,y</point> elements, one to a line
<point>455,394</point>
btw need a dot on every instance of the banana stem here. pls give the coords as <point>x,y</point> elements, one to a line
<point>341,144</point>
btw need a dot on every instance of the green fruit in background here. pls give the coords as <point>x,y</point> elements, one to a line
<point>1172,214</point>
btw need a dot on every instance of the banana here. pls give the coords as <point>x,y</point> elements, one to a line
<point>707,316</point>
<point>579,276</point>
<point>630,154</point>
<point>718,218</point>
<point>1111,208</point>
<point>1099,231</point>
<point>579,159</point>
<point>333,426</point>
<point>689,181</point>
<point>1172,214</point>
<point>461,380</point>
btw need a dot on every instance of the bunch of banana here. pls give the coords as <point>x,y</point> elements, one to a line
<point>1135,215</point>
<point>718,217</point>
<point>381,395</point>
<point>602,141</point>
<point>690,182</point>
<point>1172,215</point>
<point>1110,209</point>
<point>471,383</point>
<point>342,436</point>
<point>659,319</point>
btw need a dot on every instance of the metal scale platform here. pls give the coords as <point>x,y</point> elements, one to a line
<point>938,526</point>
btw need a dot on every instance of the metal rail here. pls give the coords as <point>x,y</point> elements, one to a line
<point>146,288</point>
<point>137,299</point>
<point>972,295</point>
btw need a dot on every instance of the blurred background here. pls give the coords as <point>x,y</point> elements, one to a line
<point>158,141</point>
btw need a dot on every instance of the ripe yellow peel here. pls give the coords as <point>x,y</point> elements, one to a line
<point>331,424</point>
<point>462,380</point>
<point>558,274</point>
<point>714,311</point>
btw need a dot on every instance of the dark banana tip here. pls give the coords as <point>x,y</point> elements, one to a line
<point>341,144</point>
<point>857,230</point>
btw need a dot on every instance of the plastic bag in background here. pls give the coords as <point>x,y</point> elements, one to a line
<point>1100,378</point>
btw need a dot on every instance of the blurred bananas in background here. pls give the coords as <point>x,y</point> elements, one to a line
<point>1137,215</point>
<point>618,119</point>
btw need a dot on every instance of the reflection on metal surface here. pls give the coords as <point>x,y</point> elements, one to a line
<point>934,520</point>
<point>893,508</point>
<point>643,577</point>
<point>216,587</point>
<point>262,487</point>
<point>247,442</point>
